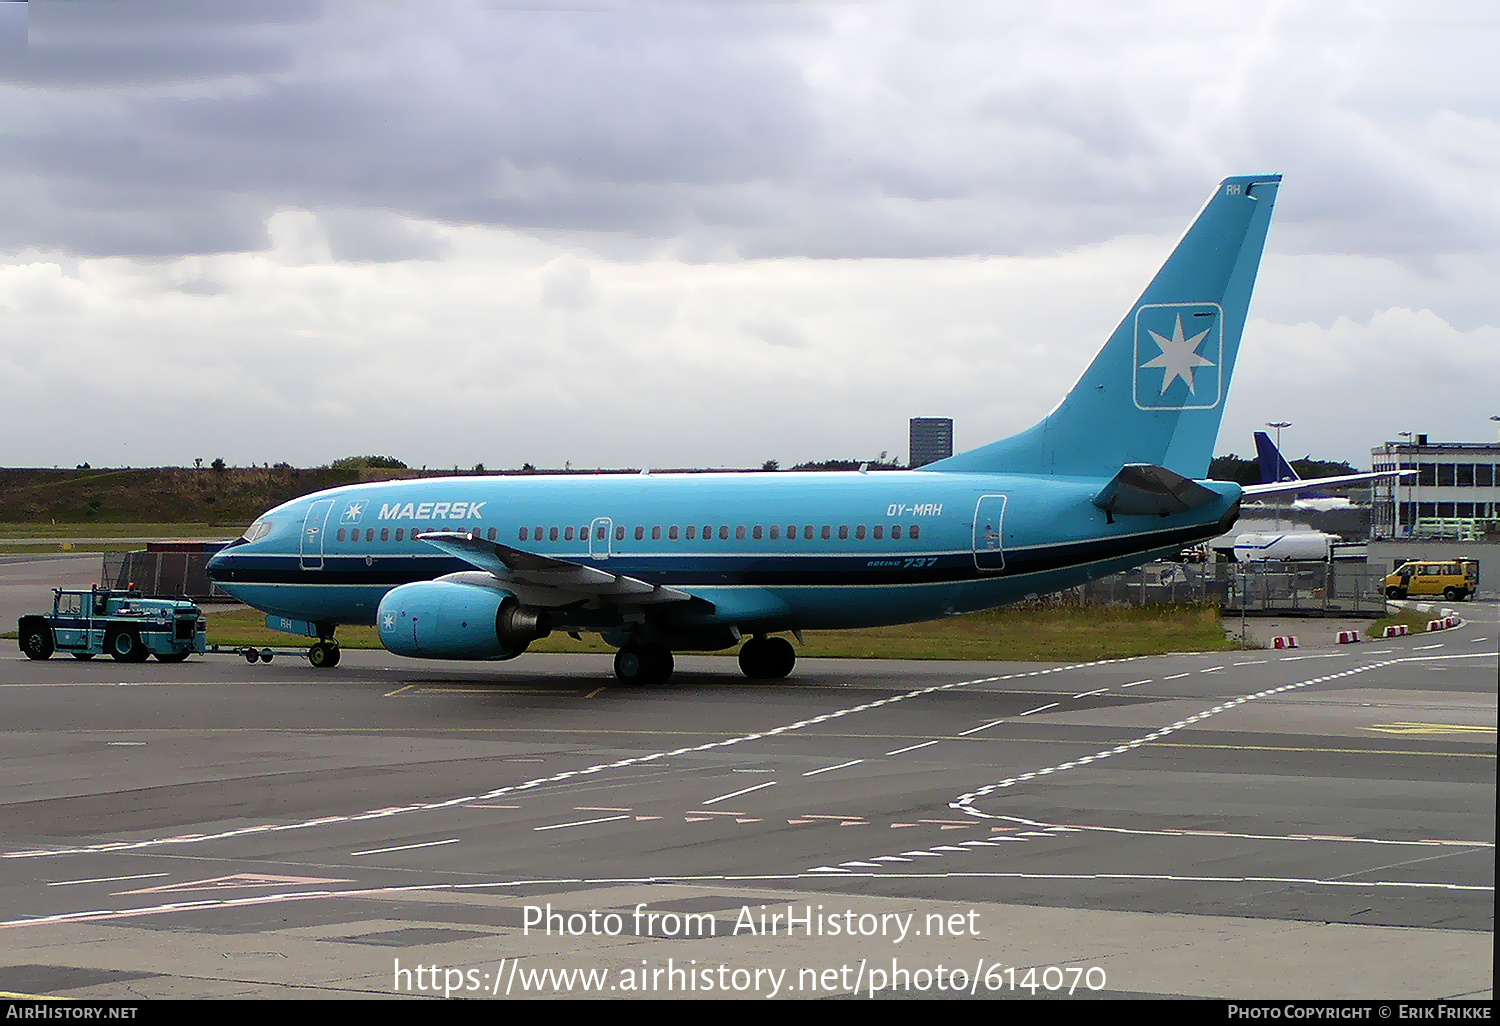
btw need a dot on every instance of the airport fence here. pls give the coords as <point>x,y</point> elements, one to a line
<point>1306,589</point>
<point>166,574</point>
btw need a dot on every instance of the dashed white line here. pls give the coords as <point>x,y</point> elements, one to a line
<point>408,847</point>
<point>1096,691</point>
<point>983,726</point>
<point>581,822</point>
<point>107,879</point>
<point>1041,708</point>
<point>830,769</point>
<point>912,748</point>
<point>736,794</point>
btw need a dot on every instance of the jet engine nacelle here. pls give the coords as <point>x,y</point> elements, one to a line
<point>445,620</point>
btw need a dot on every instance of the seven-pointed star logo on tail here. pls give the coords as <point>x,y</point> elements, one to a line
<point>1179,355</point>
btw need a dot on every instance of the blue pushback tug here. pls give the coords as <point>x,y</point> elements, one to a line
<point>123,623</point>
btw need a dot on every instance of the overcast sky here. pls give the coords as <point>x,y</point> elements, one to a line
<point>684,234</point>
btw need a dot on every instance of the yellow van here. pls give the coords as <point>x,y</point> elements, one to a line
<point>1455,579</point>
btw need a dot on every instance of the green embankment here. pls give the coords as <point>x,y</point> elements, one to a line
<point>1052,633</point>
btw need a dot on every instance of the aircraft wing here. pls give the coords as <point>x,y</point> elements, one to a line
<point>1308,484</point>
<point>549,581</point>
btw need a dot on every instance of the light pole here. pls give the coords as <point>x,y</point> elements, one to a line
<point>1278,425</point>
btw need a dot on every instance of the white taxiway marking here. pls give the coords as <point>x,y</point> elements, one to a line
<point>1041,708</point>
<point>830,769</point>
<point>405,847</point>
<point>107,879</point>
<point>1133,683</point>
<point>736,794</point>
<point>911,748</point>
<point>581,822</point>
<point>975,730</point>
<point>1096,691</point>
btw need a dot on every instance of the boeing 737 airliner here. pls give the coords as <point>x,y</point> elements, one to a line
<point>479,567</point>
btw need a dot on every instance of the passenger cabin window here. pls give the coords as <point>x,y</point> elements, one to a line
<point>758,533</point>
<point>340,535</point>
<point>739,533</point>
<point>895,532</point>
<point>692,532</point>
<point>724,533</point>
<point>879,532</point>
<point>552,534</point>
<point>916,532</point>
<point>640,533</point>
<point>672,532</point>
<point>859,532</point>
<point>619,534</point>
<point>568,533</point>
<point>385,534</point>
<point>401,534</point>
<point>775,532</point>
<point>656,533</point>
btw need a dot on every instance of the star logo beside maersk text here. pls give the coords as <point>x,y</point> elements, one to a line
<point>1179,352</point>
<point>353,513</point>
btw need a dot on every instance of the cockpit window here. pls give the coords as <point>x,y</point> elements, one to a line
<point>257,530</point>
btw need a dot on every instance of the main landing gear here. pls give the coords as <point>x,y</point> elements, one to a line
<point>764,658</point>
<point>324,654</point>
<point>644,664</point>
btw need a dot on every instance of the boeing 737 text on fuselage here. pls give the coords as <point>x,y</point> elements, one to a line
<point>480,567</point>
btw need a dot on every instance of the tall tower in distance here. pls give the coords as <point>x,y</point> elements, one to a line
<point>931,440</point>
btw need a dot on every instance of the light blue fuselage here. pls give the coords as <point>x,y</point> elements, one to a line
<point>980,541</point>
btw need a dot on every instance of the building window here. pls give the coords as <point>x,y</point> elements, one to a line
<point>1465,473</point>
<point>1426,474</point>
<point>1445,475</point>
<point>1484,475</point>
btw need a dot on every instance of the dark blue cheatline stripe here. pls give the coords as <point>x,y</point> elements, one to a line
<point>708,570</point>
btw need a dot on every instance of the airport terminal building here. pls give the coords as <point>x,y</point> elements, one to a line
<point>1454,496</point>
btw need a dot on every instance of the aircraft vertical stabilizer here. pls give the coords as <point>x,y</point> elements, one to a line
<point>1273,465</point>
<point>1155,393</point>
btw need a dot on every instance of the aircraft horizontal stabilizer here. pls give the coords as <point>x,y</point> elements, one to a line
<point>1142,489</point>
<point>528,568</point>
<point>1309,483</point>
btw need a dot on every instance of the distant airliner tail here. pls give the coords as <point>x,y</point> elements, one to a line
<point>1273,465</point>
<point>1155,393</point>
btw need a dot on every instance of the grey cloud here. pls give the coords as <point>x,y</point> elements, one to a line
<point>201,287</point>
<point>370,236</point>
<point>717,130</point>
